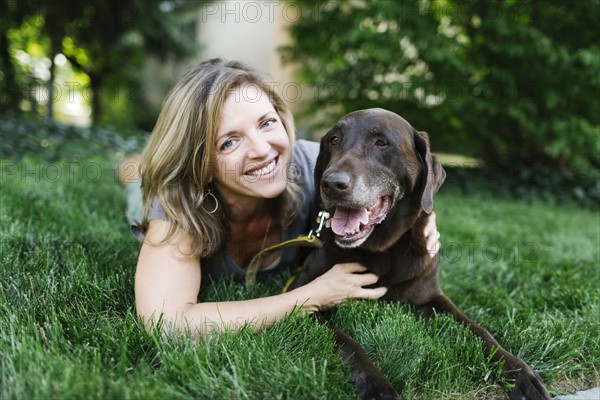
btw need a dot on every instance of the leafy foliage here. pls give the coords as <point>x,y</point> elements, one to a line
<point>106,40</point>
<point>511,82</point>
<point>527,183</point>
<point>51,142</point>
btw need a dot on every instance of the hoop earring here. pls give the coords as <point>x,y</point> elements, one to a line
<point>210,193</point>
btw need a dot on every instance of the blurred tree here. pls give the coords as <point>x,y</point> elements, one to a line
<point>105,39</point>
<point>115,33</point>
<point>12,15</point>
<point>56,19</point>
<point>23,54</point>
<point>515,82</point>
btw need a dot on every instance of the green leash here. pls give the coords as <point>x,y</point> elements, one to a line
<point>255,263</point>
<point>310,240</point>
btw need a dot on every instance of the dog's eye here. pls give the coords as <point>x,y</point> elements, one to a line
<point>381,143</point>
<point>333,140</point>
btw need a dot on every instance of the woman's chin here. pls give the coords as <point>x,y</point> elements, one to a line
<point>274,192</point>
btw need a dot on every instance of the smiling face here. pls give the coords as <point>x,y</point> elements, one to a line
<point>252,147</point>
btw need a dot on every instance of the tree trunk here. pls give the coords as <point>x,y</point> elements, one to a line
<point>54,48</point>
<point>10,96</point>
<point>96,85</point>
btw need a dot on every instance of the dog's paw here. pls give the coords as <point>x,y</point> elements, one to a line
<point>375,387</point>
<point>529,386</point>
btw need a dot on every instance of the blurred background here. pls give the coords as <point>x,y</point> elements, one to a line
<point>509,87</point>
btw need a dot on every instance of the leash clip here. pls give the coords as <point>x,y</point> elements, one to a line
<point>322,218</point>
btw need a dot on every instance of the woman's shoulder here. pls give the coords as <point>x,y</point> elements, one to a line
<point>155,212</point>
<point>303,164</point>
<point>305,157</point>
<point>307,149</point>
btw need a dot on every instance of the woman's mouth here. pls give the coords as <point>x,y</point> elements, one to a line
<point>264,169</point>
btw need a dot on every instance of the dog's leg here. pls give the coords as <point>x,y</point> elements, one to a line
<point>528,384</point>
<point>369,382</point>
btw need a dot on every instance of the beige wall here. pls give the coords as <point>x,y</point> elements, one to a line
<point>251,31</point>
<point>245,30</point>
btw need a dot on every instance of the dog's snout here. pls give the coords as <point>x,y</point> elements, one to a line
<point>338,181</point>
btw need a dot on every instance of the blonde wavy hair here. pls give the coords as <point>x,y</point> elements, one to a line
<point>177,163</point>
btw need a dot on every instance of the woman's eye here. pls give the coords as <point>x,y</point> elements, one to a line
<point>227,145</point>
<point>268,123</point>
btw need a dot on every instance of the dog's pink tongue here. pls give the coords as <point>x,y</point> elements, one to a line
<point>346,220</point>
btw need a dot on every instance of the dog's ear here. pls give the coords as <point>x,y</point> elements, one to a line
<point>322,161</point>
<point>433,174</point>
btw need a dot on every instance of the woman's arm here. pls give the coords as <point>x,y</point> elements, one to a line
<point>167,284</point>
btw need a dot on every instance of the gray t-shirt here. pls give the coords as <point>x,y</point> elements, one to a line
<point>301,171</point>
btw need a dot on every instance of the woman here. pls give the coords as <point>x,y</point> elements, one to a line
<point>223,178</point>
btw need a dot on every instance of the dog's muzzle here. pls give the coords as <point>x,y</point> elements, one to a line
<point>352,226</point>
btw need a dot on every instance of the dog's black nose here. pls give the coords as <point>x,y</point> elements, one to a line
<point>336,181</point>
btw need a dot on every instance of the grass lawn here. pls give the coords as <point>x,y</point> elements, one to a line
<point>527,272</point>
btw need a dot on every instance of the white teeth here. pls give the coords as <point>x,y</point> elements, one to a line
<point>356,230</point>
<point>264,170</point>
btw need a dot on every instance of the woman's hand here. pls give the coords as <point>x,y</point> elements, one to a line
<point>432,236</point>
<point>342,282</point>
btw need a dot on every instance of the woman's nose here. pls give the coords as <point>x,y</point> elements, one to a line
<point>259,147</point>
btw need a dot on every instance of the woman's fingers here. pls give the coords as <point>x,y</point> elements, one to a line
<point>351,268</point>
<point>433,243</point>
<point>366,279</point>
<point>432,235</point>
<point>431,226</point>
<point>372,294</point>
<point>345,281</point>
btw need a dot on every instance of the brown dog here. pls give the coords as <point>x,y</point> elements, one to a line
<point>377,178</point>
